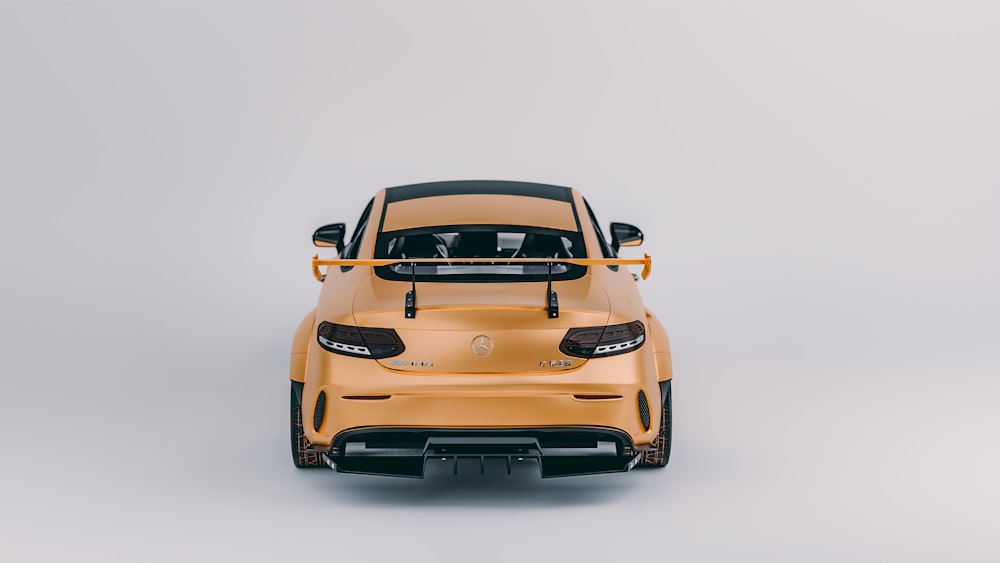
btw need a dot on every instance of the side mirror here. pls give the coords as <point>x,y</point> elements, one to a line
<point>623,234</point>
<point>330,235</point>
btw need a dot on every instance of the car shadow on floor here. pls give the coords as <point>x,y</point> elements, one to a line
<point>495,488</point>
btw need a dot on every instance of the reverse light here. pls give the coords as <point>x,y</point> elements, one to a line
<point>359,342</point>
<point>601,341</point>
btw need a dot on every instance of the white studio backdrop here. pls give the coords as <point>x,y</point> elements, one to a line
<point>818,186</point>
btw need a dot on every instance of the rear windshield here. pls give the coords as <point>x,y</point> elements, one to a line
<point>480,241</point>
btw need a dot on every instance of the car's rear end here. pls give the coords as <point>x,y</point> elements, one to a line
<point>472,339</point>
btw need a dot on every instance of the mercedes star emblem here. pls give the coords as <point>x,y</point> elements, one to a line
<point>482,346</point>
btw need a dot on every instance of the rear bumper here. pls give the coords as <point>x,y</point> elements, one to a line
<point>559,452</point>
<point>361,394</point>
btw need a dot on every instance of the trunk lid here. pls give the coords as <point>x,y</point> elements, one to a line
<point>481,328</point>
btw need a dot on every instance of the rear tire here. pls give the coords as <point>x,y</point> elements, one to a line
<point>660,454</point>
<point>301,457</point>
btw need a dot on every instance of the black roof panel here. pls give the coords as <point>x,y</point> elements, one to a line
<point>461,187</point>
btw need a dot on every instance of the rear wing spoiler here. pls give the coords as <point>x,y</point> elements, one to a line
<point>552,300</point>
<point>646,262</point>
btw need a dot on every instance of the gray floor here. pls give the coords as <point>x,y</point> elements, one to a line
<point>185,455</point>
<point>818,187</point>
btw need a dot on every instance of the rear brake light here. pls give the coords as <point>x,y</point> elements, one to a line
<point>359,342</point>
<point>601,341</point>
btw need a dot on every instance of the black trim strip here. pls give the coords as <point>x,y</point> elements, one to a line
<point>385,206</point>
<point>664,390</point>
<point>403,452</point>
<point>358,432</point>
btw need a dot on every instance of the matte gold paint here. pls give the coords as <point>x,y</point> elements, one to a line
<point>510,388</point>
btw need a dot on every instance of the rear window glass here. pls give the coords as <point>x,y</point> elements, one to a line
<point>497,242</point>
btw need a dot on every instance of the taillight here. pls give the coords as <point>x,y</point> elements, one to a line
<point>359,342</point>
<point>601,341</point>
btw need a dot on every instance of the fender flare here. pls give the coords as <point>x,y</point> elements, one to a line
<point>300,347</point>
<point>661,348</point>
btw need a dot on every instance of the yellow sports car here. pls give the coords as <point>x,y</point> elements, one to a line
<point>484,321</point>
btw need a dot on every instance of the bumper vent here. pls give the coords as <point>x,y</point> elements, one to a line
<point>320,411</point>
<point>644,409</point>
